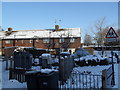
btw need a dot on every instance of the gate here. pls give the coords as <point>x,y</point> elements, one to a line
<point>22,60</point>
<point>108,80</point>
<point>22,63</point>
<point>79,80</point>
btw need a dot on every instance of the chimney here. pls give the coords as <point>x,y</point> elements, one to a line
<point>9,29</point>
<point>56,27</point>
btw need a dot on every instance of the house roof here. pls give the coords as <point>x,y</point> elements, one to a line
<point>2,34</point>
<point>20,34</point>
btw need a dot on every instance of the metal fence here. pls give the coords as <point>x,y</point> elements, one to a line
<point>17,74</point>
<point>79,80</point>
<point>65,68</point>
<point>76,80</point>
<point>22,60</point>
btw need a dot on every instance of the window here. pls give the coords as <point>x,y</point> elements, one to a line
<point>7,41</point>
<point>16,40</point>
<point>61,40</point>
<point>46,40</point>
<point>37,40</point>
<point>31,41</point>
<point>72,40</point>
<point>22,41</point>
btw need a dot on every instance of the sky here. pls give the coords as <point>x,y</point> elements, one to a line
<point>43,15</point>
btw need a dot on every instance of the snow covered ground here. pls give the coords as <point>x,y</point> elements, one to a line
<point>6,83</point>
<point>118,78</point>
<point>106,53</point>
<point>0,74</point>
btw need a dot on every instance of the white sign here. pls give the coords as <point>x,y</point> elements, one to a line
<point>111,39</point>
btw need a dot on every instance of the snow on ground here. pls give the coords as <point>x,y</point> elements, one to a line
<point>116,75</point>
<point>93,69</point>
<point>97,70</point>
<point>0,74</point>
<point>106,53</point>
<point>118,78</point>
<point>6,83</point>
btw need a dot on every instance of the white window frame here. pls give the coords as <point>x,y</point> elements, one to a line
<point>37,40</point>
<point>61,40</point>
<point>72,40</point>
<point>31,41</point>
<point>46,40</point>
<point>16,40</point>
<point>7,41</point>
<point>22,41</point>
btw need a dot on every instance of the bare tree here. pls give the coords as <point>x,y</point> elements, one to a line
<point>100,36</point>
<point>65,41</point>
<point>100,26</point>
<point>87,40</point>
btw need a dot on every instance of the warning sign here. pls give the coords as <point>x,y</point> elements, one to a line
<point>111,33</point>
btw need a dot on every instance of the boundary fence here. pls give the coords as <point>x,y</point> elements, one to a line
<point>82,80</point>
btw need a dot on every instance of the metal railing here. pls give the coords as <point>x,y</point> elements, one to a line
<point>78,80</point>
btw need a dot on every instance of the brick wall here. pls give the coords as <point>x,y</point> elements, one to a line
<point>8,51</point>
<point>38,43</point>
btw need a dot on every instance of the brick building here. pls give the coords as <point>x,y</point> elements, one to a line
<point>2,35</point>
<point>51,39</point>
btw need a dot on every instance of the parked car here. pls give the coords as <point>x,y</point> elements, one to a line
<point>80,52</point>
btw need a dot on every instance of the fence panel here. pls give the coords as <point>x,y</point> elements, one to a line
<point>108,80</point>
<point>17,74</point>
<point>65,68</point>
<point>23,60</point>
<point>79,80</point>
<point>76,80</point>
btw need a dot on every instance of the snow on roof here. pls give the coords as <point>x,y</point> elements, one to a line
<point>65,53</point>
<point>71,32</point>
<point>2,34</point>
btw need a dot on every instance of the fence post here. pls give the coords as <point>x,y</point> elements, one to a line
<point>10,74</point>
<point>11,62</point>
<point>11,67</point>
<point>104,79</point>
<point>7,62</point>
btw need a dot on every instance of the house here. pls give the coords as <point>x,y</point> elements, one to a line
<point>50,39</point>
